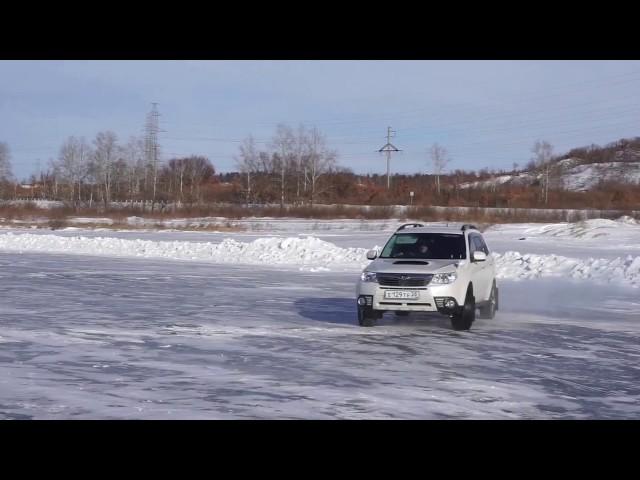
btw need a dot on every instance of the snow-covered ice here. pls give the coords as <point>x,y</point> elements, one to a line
<point>262,325</point>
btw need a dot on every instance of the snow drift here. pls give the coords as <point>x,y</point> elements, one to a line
<point>514,265</point>
<point>313,254</point>
<point>589,229</point>
<point>306,252</point>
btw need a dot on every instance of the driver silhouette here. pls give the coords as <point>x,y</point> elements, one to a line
<point>422,248</point>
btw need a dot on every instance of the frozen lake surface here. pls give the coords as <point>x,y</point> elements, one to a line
<point>86,336</point>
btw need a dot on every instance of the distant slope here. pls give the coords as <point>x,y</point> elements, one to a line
<point>579,178</point>
<point>585,177</point>
<point>582,169</point>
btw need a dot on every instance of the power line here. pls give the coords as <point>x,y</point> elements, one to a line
<point>398,115</point>
<point>440,126</point>
<point>508,116</point>
<point>527,124</point>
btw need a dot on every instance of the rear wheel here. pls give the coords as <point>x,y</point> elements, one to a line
<point>367,317</point>
<point>489,310</point>
<point>464,317</point>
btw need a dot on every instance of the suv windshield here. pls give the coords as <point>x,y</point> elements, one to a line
<point>437,246</point>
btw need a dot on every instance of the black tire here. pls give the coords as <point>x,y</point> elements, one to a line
<point>465,316</point>
<point>401,313</point>
<point>366,317</point>
<point>489,310</point>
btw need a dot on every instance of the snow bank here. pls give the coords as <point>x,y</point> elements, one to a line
<point>588,229</point>
<point>98,221</point>
<point>271,224</point>
<point>44,204</point>
<point>314,255</point>
<point>513,265</point>
<point>137,221</point>
<point>305,252</point>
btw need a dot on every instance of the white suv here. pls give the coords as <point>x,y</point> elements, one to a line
<point>428,269</point>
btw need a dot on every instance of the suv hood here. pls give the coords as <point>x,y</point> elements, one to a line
<point>398,265</point>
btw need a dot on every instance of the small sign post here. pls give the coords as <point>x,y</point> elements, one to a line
<point>411,198</point>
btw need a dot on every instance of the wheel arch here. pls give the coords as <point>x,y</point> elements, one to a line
<point>470,288</point>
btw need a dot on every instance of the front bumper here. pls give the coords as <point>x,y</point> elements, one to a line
<point>432,298</point>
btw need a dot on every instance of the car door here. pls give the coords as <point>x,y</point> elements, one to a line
<point>491,262</point>
<point>475,269</point>
<point>481,271</point>
<point>486,271</point>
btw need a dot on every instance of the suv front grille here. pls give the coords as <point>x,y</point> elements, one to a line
<point>404,279</point>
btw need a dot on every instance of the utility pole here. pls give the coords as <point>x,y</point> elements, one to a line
<point>248,186</point>
<point>388,148</point>
<point>546,184</point>
<point>282,178</point>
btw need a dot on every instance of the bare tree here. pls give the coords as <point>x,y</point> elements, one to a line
<point>248,162</point>
<point>133,154</point>
<point>283,144</point>
<point>301,142</point>
<point>320,159</point>
<point>102,164</point>
<point>72,166</point>
<point>542,156</point>
<point>439,160</point>
<point>5,167</point>
<point>291,167</point>
<point>197,171</point>
<point>176,170</point>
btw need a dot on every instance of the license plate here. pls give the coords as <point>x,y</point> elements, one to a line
<point>402,294</point>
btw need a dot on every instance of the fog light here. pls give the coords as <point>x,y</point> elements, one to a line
<point>451,303</point>
<point>361,301</point>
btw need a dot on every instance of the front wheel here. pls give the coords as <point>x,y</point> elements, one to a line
<point>463,318</point>
<point>366,317</point>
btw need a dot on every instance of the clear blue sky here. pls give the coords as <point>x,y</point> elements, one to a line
<point>486,113</point>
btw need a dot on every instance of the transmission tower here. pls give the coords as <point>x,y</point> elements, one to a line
<point>152,150</point>
<point>388,148</point>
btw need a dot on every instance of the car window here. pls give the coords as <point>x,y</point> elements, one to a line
<point>478,243</point>
<point>485,249</point>
<point>436,246</point>
<point>472,245</point>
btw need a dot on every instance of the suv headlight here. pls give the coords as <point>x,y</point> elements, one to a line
<point>368,277</point>
<point>443,278</point>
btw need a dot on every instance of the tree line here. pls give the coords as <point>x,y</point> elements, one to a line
<point>291,168</point>
<point>105,170</point>
<point>297,166</point>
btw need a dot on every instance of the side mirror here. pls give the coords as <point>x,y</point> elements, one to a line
<point>372,254</point>
<point>479,256</point>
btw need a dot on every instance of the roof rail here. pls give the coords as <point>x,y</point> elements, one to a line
<point>414,225</point>
<point>468,226</point>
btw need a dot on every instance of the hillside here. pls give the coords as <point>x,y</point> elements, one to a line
<point>582,169</point>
